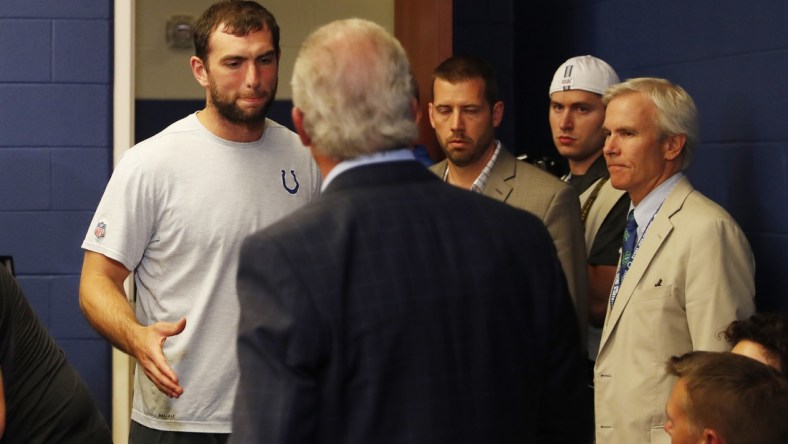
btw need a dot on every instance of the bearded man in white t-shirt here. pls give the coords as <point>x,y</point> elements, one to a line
<point>175,212</point>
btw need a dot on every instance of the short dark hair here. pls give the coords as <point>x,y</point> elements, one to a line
<point>770,330</point>
<point>742,399</point>
<point>458,69</point>
<point>240,17</point>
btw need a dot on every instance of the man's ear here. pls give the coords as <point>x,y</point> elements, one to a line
<point>200,71</point>
<point>416,110</point>
<point>674,146</point>
<point>710,436</point>
<point>430,110</point>
<point>298,121</point>
<point>497,114</point>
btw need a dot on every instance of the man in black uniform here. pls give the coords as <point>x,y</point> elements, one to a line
<point>576,117</point>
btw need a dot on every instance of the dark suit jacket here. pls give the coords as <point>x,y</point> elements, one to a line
<point>396,308</point>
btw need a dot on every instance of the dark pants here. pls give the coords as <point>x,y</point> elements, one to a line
<point>139,434</point>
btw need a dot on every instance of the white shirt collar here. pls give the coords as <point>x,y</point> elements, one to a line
<point>648,207</point>
<point>368,159</point>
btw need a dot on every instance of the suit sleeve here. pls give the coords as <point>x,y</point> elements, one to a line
<point>722,289</point>
<point>280,349</point>
<point>563,222</point>
<point>564,413</point>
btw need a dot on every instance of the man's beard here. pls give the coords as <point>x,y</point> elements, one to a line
<point>469,157</point>
<point>232,113</point>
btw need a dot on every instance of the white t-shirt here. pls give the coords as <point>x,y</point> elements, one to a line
<point>175,212</point>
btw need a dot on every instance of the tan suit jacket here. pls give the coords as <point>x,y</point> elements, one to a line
<point>607,198</point>
<point>530,188</point>
<point>692,275</point>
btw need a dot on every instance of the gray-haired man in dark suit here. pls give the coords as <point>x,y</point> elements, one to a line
<point>393,308</point>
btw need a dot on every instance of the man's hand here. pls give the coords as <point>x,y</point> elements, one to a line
<point>104,302</point>
<point>148,352</point>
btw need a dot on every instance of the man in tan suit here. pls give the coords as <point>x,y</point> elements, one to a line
<point>687,269</point>
<point>465,111</point>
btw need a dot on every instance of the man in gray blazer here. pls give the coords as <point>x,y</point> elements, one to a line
<point>465,110</point>
<point>686,270</point>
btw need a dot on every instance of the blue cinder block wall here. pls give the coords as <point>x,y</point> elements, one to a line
<point>730,55</point>
<point>55,158</point>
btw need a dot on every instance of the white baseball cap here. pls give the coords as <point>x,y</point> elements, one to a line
<point>586,73</point>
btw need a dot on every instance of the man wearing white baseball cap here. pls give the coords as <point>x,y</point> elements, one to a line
<point>576,117</point>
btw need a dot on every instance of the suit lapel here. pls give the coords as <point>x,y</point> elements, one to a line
<point>656,234</point>
<point>504,169</point>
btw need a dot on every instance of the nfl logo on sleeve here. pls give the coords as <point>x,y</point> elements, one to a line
<point>100,231</point>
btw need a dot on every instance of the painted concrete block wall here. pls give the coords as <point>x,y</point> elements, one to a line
<point>55,148</point>
<point>729,55</point>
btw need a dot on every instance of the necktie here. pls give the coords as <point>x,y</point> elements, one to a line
<point>627,250</point>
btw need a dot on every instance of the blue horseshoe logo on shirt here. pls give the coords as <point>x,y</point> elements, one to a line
<point>284,182</point>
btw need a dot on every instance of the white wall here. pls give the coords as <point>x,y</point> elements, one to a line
<point>164,73</point>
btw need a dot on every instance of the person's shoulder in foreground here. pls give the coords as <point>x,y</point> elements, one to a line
<point>42,397</point>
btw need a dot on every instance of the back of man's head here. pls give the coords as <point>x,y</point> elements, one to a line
<point>352,82</point>
<point>741,399</point>
<point>767,330</point>
<point>457,69</point>
<point>586,73</point>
